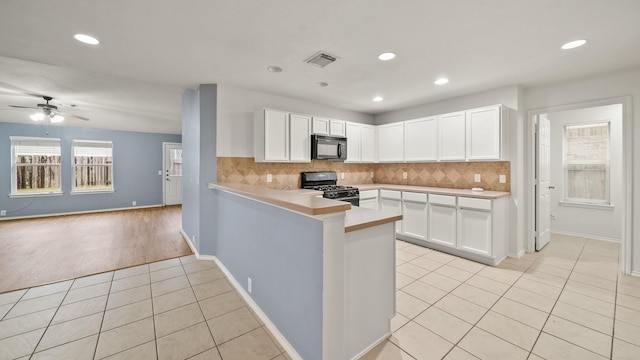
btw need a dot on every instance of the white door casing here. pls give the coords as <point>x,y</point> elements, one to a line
<point>543,171</point>
<point>172,171</point>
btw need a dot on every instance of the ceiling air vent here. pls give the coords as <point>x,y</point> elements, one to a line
<point>321,59</point>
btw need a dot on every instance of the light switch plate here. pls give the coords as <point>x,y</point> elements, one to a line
<point>476,177</point>
<point>404,175</point>
<point>269,178</point>
<point>342,175</point>
<point>503,179</point>
<point>160,172</point>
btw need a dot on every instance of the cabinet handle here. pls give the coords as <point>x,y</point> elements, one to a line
<point>551,187</point>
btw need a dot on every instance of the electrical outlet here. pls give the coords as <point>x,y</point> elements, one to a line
<point>553,216</point>
<point>476,177</point>
<point>134,203</point>
<point>342,175</point>
<point>503,179</point>
<point>404,175</point>
<point>249,285</point>
<point>372,174</point>
<point>269,178</point>
<point>3,212</point>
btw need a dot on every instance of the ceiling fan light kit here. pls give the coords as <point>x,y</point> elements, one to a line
<point>48,111</point>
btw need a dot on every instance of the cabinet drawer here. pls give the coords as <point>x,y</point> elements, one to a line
<point>415,197</point>
<point>368,194</point>
<point>442,199</point>
<point>391,194</point>
<point>474,203</point>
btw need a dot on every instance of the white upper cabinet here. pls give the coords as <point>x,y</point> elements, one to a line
<point>337,128</point>
<point>452,136</point>
<point>391,142</point>
<point>353,142</point>
<point>320,126</point>
<point>299,138</point>
<point>367,143</point>
<point>483,133</point>
<point>421,139</point>
<point>281,137</point>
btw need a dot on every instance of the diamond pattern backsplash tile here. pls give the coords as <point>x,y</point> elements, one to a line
<point>457,175</point>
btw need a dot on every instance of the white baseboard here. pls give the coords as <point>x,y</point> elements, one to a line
<point>603,238</point>
<point>191,246</point>
<point>370,347</point>
<point>291,351</point>
<point>518,255</point>
<point>77,212</point>
<point>635,273</point>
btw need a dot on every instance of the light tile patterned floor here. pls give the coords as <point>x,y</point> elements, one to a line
<point>174,309</point>
<point>567,302</point>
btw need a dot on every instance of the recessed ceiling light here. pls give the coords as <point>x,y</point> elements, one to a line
<point>573,44</point>
<point>378,98</point>
<point>87,39</point>
<point>275,69</point>
<point>441,81</point>
<point>322,84</point>
<point>386,56</point>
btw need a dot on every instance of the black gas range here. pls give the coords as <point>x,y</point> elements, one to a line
<point>326,181</point>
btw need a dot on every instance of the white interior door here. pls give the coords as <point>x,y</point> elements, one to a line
<point>543,171</point>
<point>172,174</point>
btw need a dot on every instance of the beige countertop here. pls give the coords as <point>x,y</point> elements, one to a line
<point>308,202</point>
<point>361,218</point>
<point>435,190</point>
<point>301,200</point>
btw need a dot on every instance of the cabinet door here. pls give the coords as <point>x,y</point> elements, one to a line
<point>299,138</point>
<point>414,215</point>
<point>483,133</point>
<point>353,142</point>
<point>320,126</point>
<point>276,135</point>
<point>421,139</point>
<point>452,136</point>
<point>369,203</point>
<point>474,231</point>
<point>367,143</point>
<point>391,142</point>
<point>442,224</point>
<point>337,128</point>
<point>391,201</point>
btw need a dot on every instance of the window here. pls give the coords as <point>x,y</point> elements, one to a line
<point>586,163</point>
<point>92,166</point>
<point>35,165</point>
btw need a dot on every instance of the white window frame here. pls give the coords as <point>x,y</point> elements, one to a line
<point>14,167</point>
<point>74,191</point>
<point>566,200</point>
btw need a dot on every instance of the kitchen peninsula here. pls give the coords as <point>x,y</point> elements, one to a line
<point>311,266</point>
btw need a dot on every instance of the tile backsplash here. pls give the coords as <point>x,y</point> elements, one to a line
<point>457,175</point>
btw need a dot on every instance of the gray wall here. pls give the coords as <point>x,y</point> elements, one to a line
<point>281,251</point>
<point>137,158</point>
<point>199,212</point>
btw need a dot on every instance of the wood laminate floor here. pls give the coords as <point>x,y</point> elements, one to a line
<point>44,250</point>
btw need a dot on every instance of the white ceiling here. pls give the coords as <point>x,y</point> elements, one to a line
<point>153,49</point>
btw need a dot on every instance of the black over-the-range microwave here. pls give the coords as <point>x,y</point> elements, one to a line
<point>325,147</point>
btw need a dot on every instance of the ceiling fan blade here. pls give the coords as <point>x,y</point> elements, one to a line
<point>73,116</point>
<point>24,107</point>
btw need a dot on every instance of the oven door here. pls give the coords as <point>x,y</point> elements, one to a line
<point>329,148</point>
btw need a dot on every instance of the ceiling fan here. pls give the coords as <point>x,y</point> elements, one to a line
<point>48,111</point>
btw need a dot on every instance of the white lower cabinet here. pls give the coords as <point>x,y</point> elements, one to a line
<point>475,225</point>
<point>369,199</point>
<point>391,201</point>
<point>414,215</point>
<point>442,220</point>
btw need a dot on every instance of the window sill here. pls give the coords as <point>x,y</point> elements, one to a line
<point>57,193</point>
<point>89,192</point>
<point>606,207</point>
